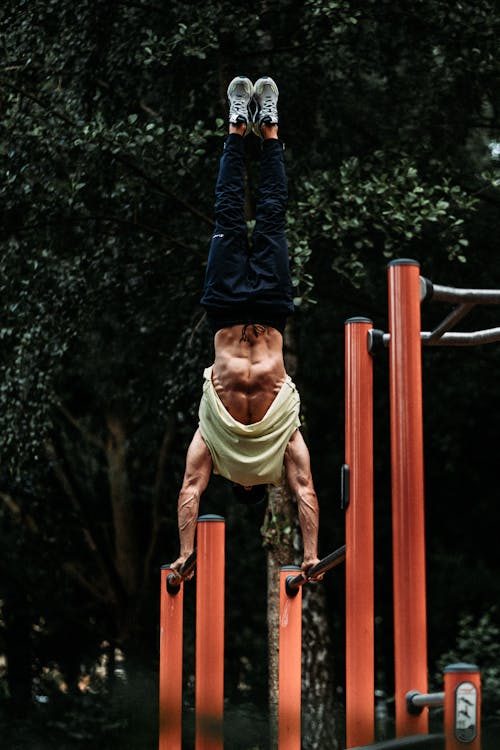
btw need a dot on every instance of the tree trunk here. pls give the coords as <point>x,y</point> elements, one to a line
<point>278,531</point>
<point>278,541</point>
<point>17,649</point>
<point>283,542</point>
<point>126,551</point>
<point>319,711</point>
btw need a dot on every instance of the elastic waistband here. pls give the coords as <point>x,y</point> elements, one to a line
<point>216,322</point>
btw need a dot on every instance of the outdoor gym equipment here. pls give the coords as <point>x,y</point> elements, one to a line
<point>209,670</point>
<point>406,290</point>
<point>461,697</point>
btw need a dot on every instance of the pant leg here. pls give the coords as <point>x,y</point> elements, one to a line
<point>272,195</point>
<point>227,266</point>
<point>269,261</point>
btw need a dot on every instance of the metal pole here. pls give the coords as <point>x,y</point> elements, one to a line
<point>416,702</point>
<point>408,532</point>
<point>170,701</point>
<point>209,690</point>
<point>462,707</point>
<point>360,679</point>
<point>289,666</point>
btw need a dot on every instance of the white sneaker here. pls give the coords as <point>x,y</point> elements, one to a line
<point>265,96</point>
<point>240,95</point>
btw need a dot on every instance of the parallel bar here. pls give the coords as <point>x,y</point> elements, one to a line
<point>289,666</point>
<point>170,679</point>
<point>189,565</point>
<point>360,661</point>
<point>209,689</point>
<point>407,471</point>
<point>172,582</point>
<point>326,563</point>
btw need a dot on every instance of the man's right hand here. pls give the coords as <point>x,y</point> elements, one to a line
<point>308,564</point>
<point>177,565</point>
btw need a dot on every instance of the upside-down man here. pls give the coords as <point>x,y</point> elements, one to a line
<point>249,412</point>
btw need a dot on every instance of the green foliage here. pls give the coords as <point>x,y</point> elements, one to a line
<point>478,642</point>
<point>112,122</point>
<point>381,206</point>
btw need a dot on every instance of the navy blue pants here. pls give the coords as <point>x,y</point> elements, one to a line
<point>249,282</point>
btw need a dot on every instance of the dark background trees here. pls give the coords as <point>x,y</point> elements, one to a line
<point>112,121</point>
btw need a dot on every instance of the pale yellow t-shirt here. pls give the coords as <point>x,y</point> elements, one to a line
<point>248,454</point>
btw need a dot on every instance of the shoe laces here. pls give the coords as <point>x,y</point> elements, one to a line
<point>267,106</point>
<point>239,103</point>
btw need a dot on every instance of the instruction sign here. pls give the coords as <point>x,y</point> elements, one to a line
<point>465,712</point>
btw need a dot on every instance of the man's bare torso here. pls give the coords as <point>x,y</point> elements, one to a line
<point>248,374</point>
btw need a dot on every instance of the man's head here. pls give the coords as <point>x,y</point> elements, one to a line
<point>250,495</point>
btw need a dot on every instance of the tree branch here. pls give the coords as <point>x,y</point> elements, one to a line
<point>68,491</point>
<point>137,225</point>
<point>75,218</point>
<point>17,512</point>
<point>73,570</point>
<point>102,557</point>
<point>89,436</point>
<point>125,160</point>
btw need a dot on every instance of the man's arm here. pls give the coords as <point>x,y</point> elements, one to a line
<point>196,477</point>
<point>298,474</point>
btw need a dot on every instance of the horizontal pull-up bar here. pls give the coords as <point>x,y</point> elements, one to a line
<point>439,293</point>
<point>377,338</point>
<point>466,300</point>
<point>293,583</point>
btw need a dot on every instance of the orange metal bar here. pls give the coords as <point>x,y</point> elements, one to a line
<point>170,701</point>
<point>408,528</point>
<point>462,707</point>
<point>360,679</point>
<point>209,690</point>
<point>289,666</point>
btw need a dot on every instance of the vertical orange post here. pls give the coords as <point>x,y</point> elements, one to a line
<point>170,700</point>
<point>290,664</point>
<point>209,689</point>
<point>407,472</point>
<point>462,707</point>
<point>360,679</point>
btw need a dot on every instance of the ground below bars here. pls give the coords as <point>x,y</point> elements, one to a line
<point>429,741</point>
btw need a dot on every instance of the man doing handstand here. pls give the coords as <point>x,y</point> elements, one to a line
<point>249,412</point>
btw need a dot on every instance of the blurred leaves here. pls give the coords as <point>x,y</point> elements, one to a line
<point>112,122</point>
